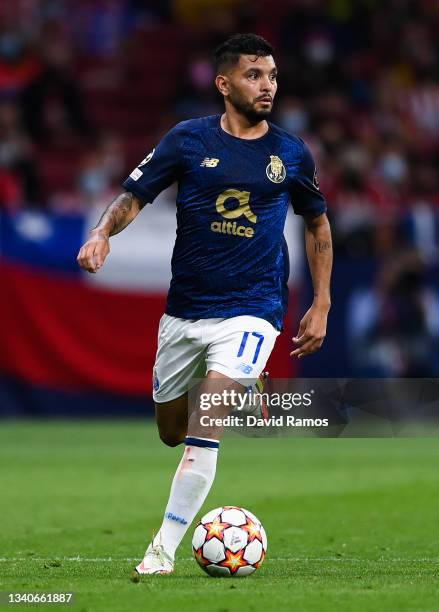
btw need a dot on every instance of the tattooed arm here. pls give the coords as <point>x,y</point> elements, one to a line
<point>116,217</point>
<point>312,328</point>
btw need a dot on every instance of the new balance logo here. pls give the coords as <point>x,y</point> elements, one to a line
<point>209,162</point>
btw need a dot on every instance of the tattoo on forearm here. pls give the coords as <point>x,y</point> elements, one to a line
<point>320,246</point>
<point>116,216</point>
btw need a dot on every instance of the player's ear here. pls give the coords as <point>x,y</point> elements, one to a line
<point>222,84</point>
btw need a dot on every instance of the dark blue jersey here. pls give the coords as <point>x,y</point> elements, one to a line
<point>230,256</point>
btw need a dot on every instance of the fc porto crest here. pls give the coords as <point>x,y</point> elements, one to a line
<point>276,170</point>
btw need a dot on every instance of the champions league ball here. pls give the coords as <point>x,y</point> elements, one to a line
<point>229,542</point>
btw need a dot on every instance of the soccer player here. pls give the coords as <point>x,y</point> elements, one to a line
<point>237,174</point>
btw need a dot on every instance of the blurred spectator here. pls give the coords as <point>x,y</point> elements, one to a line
<point>198,14</point>
<point>100,28</point>
<point>195,94</point>
<point>99,169</point>
<point>394,326</point>
<point>19,182</point>
<point>52,102</point>
<point>18,64</point>
<point>292,115</point>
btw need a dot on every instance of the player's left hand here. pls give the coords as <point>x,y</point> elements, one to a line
<point>312,331</point>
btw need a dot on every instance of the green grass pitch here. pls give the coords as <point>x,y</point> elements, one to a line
<point>352,524</point>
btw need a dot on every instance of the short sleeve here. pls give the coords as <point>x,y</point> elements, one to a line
<point>157,171</point>
<point>306,196</point>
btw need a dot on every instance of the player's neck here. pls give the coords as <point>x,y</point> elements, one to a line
<point>238,126</point>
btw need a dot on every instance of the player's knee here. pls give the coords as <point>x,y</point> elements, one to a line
<point>171,438</point>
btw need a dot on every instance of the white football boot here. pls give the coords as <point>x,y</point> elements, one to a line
<point>155,561</point>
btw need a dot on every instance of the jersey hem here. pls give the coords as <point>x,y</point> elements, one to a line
<point>197,316</point>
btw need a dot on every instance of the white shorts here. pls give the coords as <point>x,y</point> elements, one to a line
<point>238,347</point>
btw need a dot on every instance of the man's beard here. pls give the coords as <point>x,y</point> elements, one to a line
<point>248,109</point>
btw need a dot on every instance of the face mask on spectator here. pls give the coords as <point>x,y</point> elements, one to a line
<point>319,50</point>
<point>393,167</point>
<point>93,182</point>
<point>294,120</point>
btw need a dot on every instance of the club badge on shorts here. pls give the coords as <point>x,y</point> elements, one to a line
<point>276,170</point>
<point>155,380</point>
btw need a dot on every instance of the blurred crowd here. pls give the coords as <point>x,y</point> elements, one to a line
<point>87,87</point>
<point>393,325</point>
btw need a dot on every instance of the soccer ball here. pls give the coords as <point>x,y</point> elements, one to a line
<point>229,541</point>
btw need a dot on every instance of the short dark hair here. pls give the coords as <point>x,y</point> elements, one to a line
<point>227,53</point>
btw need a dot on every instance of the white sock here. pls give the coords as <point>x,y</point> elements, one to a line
<point>192,482</point>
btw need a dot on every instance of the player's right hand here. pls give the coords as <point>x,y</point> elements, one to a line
<point>93,253</point>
